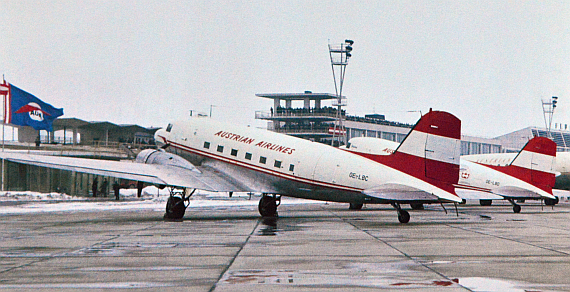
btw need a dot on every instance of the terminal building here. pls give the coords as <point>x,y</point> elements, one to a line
<point>79,132</point>
<point>316,122</point>
<point>514,141</point>
<point>101,140</point>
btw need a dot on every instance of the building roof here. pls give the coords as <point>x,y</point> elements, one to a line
<point>61,123</point>
<point>298,96</point>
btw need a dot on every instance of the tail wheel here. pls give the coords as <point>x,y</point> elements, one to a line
<point>268,206</point>
<point>403,216</point>
<point>516,208</point>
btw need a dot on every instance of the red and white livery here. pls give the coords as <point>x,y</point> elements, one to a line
<point>530,174</point>
<point>201,153</point>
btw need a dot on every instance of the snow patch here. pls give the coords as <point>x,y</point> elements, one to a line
<point>152,198</point>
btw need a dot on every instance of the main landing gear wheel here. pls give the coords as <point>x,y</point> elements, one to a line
<point>403,215</point>
<point>355,206</point>
<point>551,202</point>
<point>176,205</point>
<point>268,205</point>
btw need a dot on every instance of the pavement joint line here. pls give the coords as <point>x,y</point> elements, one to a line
<point>60,254</point>
<point>509,239</point>
<point>235,256</point>
<point>396,249</point>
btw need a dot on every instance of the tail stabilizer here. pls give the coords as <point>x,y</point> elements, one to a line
<point>435,141</point>
<point>534,165</point>
<point>430,151</point>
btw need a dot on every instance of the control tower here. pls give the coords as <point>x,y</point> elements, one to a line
<point>312,121</point>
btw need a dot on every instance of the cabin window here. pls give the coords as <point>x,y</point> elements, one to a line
<point>277,164</point>
<point>234,152</point>
<point>168,128</point>
<point>220,148</point>
<point>207,145</point>
<point>248,156</point>
<point>262,159</point>
<point>291,167</point>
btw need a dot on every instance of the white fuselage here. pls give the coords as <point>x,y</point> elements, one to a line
<point>268,162</point>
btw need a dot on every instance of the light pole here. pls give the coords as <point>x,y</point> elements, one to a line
<point>548,107</point>
<point>339,55</point>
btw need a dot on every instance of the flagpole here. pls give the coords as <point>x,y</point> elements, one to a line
<point>3,124</point>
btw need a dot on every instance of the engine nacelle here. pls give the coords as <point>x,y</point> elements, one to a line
<point>161,157</point>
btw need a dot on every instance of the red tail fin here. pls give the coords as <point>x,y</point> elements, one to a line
<point>535,163</point>
<point>430,151</point>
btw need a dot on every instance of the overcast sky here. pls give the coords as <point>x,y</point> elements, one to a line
<point>490,63</point>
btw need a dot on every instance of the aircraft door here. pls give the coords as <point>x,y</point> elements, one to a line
<point>325,169</point>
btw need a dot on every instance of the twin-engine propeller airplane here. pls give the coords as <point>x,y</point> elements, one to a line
<point>208,155</point>
<point>529,175</point>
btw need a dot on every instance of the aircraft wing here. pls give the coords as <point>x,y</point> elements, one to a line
<point>522,193</point>
<point>476,195</point>
<point>204,178</point>
<point>403,192</point>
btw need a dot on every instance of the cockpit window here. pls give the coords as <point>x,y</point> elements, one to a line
<point>168,128</point>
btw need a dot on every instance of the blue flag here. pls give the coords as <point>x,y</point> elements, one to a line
<point>23,109</point>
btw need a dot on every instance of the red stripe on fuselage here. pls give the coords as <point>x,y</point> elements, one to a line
<point>527,175</point>
<point>260,169</point>
<point>416,166</point>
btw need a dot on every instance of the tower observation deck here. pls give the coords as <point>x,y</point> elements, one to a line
<point>311,121</point>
